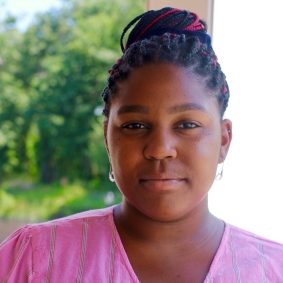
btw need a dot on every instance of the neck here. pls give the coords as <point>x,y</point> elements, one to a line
<point>194,229</point>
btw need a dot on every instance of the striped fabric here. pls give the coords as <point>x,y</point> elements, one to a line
<point>86,248</point>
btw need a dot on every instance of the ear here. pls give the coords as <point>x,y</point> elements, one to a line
<point>226,138</point>
<point>105,127</point>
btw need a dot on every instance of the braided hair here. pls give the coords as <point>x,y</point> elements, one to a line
<point>174,36</point>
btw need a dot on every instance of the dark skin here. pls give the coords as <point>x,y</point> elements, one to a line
<point>165,138</point>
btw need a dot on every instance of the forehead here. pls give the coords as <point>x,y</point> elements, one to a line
<point>163,85</point>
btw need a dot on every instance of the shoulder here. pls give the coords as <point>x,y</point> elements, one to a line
<point>243,238</point>
<point>96,214</point>
<point>70,223</point>
<point>71,229</point>
<point>243,256</point>
<point>16,256</point>
<point>29,249</point>
<point>27,232</point>
<point>62,228</point>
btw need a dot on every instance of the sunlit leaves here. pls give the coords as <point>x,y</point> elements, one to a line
<point>51,77</point>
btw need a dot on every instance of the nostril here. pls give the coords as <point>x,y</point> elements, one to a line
<point>160,151</point>
<point>160,158</point>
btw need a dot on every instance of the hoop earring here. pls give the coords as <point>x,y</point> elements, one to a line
<point>219,174</point>
<point>111,175</point>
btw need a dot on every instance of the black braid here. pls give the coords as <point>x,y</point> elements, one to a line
<point>179,49</point>
<point>126,29</point>
<point>148,17</point>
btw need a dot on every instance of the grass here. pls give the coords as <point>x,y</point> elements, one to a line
<point>33,202</point>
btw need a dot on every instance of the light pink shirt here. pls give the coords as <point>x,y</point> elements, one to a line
<point>86,248</point>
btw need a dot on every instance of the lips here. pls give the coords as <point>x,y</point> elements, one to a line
<point>162,182</point>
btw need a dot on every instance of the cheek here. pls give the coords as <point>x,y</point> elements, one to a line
<point>114,144</point>
<point>123,152</point>
<point>204,154</point>
<point>210,146</point>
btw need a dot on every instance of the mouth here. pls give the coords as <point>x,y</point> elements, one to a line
<point>161,183</point>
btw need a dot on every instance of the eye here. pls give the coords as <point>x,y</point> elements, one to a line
<point>188,125</point>
<point>134,126</point>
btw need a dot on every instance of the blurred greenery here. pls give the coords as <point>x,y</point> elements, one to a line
<point>52,156</point>
<point>29,201</point>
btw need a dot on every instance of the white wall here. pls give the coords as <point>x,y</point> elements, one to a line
<point>248,40</point>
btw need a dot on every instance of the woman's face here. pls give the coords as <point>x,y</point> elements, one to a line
<point>165,139</point>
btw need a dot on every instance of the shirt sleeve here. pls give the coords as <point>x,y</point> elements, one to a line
<point>16,257</point>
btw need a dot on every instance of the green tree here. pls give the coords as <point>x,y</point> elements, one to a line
<point>50,84</point>
<point>14,101</point>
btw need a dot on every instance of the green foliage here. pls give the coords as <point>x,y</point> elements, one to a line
<point>35,202</point>
<point>51,77</point>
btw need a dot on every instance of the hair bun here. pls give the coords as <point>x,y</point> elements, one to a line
<point>158,22</point>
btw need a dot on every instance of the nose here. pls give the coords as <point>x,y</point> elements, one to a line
<point>160,144</point>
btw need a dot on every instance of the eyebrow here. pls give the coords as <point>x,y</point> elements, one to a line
<point>133,109</point>
<point>185,107</point>
<point>172,110</point>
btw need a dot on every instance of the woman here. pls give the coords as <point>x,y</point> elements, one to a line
<point>165,136</point>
